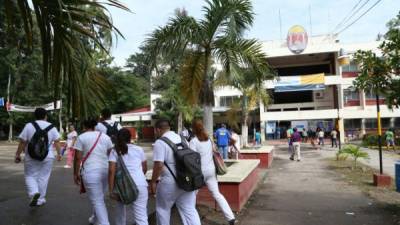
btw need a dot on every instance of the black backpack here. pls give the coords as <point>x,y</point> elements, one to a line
<point>112,131</point>
<point>188,166</point>
<point>38,146</point>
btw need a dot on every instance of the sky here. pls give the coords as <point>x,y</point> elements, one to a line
<point>147,15</point>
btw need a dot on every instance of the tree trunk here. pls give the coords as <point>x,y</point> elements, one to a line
<point>180,122</point>
<point>10,132</point>
<point>245,128</point>
<point>245,118</point>
<point>208,119</point>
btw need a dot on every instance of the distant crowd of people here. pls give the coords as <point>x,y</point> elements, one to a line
<point>100,154</point>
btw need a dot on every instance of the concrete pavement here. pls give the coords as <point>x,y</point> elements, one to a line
<point>309,193</point>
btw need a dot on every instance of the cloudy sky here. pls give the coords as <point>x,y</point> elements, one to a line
<point>325,15</point>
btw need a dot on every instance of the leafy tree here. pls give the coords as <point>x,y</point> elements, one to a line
<point>129,90</point>
<point>216,38</point>
<point>172,105</point>
<point>391,52</point>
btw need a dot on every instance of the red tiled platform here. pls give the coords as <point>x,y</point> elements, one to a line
<point>237,185</point>
<point>265,154</point>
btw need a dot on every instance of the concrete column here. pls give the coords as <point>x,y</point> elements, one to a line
<point>341,130</point>
<point>392,122</point>
<point>363,131</point>
<point>340,96</point>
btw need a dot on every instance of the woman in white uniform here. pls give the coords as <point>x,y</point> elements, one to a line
<point>136,163</point>
<point>94,169</point>
<point>202,144</point>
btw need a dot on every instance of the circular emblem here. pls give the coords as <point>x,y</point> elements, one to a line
<point>297,39</point>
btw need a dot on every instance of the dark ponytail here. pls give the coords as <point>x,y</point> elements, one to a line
<point>123,138</point>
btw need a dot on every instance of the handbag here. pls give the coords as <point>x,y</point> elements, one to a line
<point>219,163</point>
<point>82,186</point>
<point>124,186</point>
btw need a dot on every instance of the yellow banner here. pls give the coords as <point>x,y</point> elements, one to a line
<point>312,79</point>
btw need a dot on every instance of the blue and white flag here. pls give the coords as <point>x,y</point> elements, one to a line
<point>1,101</point>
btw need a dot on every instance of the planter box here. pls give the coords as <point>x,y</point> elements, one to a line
<point>265,154</point>
<point>236,186</point>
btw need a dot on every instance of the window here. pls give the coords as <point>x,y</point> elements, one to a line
<point>352,124</point>
<point>226,101</point>
<point>352,67</point>
<point>370,94</point>
<point>385,122</point>
<point>371,123</point>
<point>351,94</point>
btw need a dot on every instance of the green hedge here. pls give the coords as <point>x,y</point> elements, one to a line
<point>372,140</point>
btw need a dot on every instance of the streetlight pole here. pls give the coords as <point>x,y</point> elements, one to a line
<point>379,134</point>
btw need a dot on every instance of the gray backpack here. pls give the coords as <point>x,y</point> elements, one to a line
<point>124,185</point>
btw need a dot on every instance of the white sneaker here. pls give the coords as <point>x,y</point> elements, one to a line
<point>41,202</point>
<point>92,220</point>
<point>67,167</point>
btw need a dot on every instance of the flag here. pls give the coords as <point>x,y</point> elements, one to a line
<point>1,101</point>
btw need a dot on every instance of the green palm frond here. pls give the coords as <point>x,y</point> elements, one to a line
<point>68,30</point>
<point>192,71</point>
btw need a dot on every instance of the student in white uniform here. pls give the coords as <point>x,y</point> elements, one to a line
<point>136,163</point>
<point>106,118</point>
<point>37,173</point>
<point>167,192</point>
<point>95,169</point>
<point>202,144</point>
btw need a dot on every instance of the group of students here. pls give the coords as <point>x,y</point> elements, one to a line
<point>95,165</point>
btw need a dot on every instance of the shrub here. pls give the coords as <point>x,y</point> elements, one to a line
<point>355,152</point>
<point>341,155</point>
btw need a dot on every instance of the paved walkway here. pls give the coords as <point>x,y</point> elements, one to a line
<point>308,193</point>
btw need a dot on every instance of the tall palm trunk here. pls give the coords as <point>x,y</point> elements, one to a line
<point>207,95</point>
<point>180,122</point>
<point>208,118</point>
<point>245,118</point>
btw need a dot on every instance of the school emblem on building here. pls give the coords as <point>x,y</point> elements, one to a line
<point>297,39</point>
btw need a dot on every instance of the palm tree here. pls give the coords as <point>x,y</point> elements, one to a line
<point>251,84</point>
<point>215,39</point>
<point>67,31</point>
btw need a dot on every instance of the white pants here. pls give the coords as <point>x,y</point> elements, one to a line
<point>139,209</point>
<point>37,174</point>
<point>96,186</point>
<point>169,194</point>
<point>212,184</point>
<point>296,150</point>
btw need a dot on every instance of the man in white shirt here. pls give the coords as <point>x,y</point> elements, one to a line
<point>167,192</point>
<point>106,117</point>
<point>37,173</point>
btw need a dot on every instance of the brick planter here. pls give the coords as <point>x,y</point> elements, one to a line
<point>237,185</point>
<point>382,180</point>
<point>265,154</point>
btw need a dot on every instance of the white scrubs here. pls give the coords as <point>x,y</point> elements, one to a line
<point>210,177</point>
<point>168,193</point>
<point>37,173</point>
<point>133,161</point>
<point>95,171</point>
